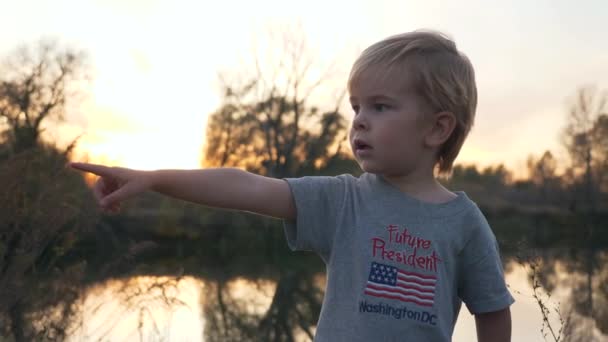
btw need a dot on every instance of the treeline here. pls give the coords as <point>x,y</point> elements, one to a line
<point>54,242</point>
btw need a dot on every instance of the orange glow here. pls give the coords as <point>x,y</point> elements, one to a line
<point>155,65</point>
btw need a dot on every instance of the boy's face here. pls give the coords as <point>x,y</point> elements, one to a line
<point>388,128</point>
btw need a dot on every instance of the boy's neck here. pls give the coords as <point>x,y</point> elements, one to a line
<point>423,187</point>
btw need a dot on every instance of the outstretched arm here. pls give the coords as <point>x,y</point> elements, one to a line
<point>222,188</point>
<point>228,188</point>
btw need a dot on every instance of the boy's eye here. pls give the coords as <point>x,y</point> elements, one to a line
<point>380,107</point>
<point>355,108</point>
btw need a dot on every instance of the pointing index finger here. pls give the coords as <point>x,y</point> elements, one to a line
<point>99,170</point>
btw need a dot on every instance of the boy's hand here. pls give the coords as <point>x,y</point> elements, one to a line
<point>115,184</point>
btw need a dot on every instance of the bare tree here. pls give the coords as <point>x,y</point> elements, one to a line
<point>543,174</point>
<point>39,220</point>
<point>587,147</point>
<point>266,123</point>
<point>35,87</point>
<point>600,142</point>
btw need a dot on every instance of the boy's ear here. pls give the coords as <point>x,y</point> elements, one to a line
<point>442,126</point>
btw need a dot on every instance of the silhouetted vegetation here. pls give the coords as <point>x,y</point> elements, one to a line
<point>271,128</point>
<point>54,244</point>
<point>44,208</point>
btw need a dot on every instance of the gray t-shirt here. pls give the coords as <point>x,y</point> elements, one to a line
<point>398,269</point>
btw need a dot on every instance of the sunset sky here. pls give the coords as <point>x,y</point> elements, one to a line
<point>155,64</point>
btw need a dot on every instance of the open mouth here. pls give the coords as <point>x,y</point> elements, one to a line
<point>361,145</point>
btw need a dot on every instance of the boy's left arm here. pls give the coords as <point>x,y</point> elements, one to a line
<point>494,326</point>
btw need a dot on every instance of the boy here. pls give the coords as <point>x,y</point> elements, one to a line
<point>401,250</point>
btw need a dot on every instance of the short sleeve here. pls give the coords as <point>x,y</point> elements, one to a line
<point>482,284</point>
<point>319,203</point>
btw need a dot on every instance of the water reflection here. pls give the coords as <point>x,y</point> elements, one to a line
<point>245,311</point>
<point>240,309</point>
<point>580,277</point>
<point>141,308</point>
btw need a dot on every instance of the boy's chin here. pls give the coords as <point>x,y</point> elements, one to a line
<point>369,167</point>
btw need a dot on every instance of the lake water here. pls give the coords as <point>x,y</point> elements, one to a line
<point>138,308</point>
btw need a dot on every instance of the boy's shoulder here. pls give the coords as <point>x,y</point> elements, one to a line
<point>379,192</point>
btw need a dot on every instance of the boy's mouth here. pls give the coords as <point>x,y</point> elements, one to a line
<point>361,145</point>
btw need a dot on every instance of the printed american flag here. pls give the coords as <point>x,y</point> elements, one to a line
<point>390,282</point>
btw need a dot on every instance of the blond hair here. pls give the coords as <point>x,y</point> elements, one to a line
<point>439,73</point>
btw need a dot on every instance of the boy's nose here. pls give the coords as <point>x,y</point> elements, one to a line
<point>359,123</point>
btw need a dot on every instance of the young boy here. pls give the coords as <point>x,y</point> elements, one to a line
<point>402,252</point>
